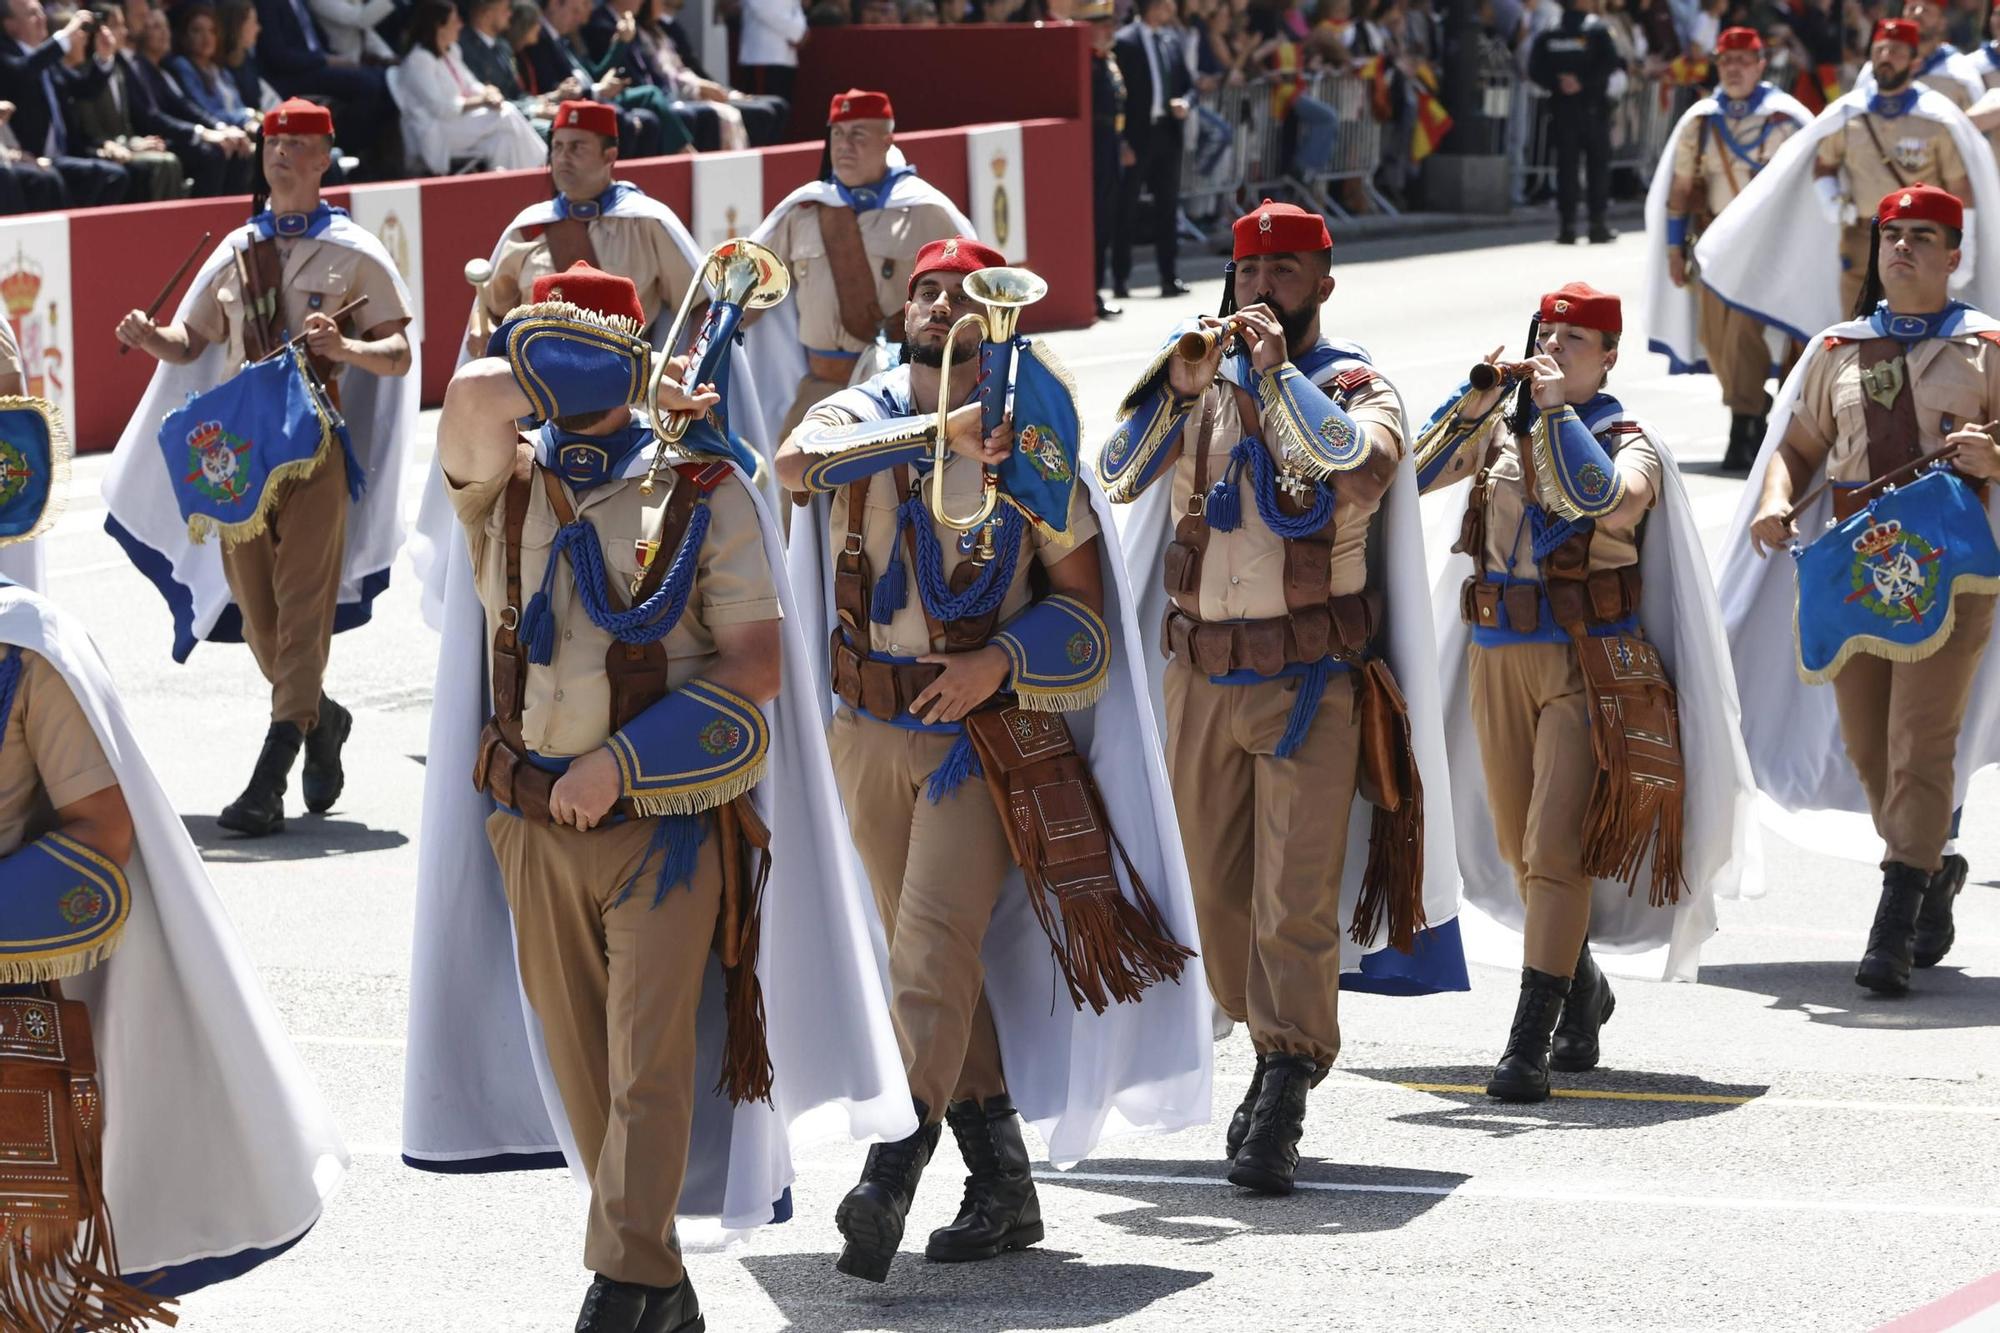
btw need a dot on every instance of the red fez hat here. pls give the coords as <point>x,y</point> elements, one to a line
<point>1922,203</point>
<point>859,104</point>
<point>295,115</point>
<point>591,117</point>
<point>955,254</point>
<point>1583,305</point>
<point>1739,39</point>
<point>1277,229</point>
<point>593,289</point>
<point>1895,30</point>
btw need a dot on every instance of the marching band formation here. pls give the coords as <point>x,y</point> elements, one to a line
<point>811,708</point>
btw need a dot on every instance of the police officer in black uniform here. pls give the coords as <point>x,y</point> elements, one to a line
<point>1107,134</point>
<point>1574,62</point>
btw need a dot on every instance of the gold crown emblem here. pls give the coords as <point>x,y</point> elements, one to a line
<point>999,165</point>
<point>21,288</point>
<point>1562,307</point>
<point>205,436</point>
<point>284,119</point>
<point>1878,537</point>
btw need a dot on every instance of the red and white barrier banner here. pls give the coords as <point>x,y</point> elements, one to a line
<point>728,197</point>
<point>395,213</point>
<point>997,174</point>
<point>34,284</point>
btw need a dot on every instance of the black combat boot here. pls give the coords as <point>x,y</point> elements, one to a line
<point>1270,1151</point>
<point>322,779</point>
<point>1587,1009</point>
<point>1892,939</point>
<point>1742,449</point>
<point>1935,929</point>
<point>673,1309</point>
<point>1239,1123</point>
<point>1523,1072</point>
<point>1000,1211</point>
<point>871,1217</point>
<point>261,807</point>
<point>612,1307</point>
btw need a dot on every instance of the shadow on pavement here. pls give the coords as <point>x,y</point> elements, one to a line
<point>1607,1099</point>
<point>1035,1288</point>
<point>1194,1203</point>
<point>304,838</point>
<point>1939,997</point>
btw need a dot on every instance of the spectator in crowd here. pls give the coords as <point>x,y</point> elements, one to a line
<point>111,121</point>
<point>1152,58</point>
<point>37,73</point>
<point>920,14</point>
<point>292,52</point>
<point>1574,63</point>
<point>448,113</point>
<point>524,33</point>
<point>349,26</point>
<point>27,184</point>
<point>197,66</point>
<point>764,116</point>
<point>619,33</point>
<point>876,12</point>
<point>1109,153</point>
<point>767,55</point>
<point>828,14</point>
<point>647,124</point>
<point>217,153</point>
<point>487,48</point>
<point>240,28</point>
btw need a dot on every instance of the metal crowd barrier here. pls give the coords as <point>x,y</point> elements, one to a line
<point>1641,122</point>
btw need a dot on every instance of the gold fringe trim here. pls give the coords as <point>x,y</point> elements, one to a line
<point>1444,435</point>
<point>566,310</point>
<point>60,453</point>
<point>1144,385</point>
<point>696,800</point>
<point>1895,652</point>
<point>62,966</point>
<point>1062,701</point>
<point>201,526</point>
<point>1549,491</point>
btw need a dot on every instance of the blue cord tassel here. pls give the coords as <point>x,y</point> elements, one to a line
<point>677,841</point>
<point>892,590</point>
<point>1548,532</point>
<point>538,629</point>
<point>960,762</point>
<point>1224,507</point>
<point>1305,707</point>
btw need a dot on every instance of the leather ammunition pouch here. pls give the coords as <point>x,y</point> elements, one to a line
<point>1340,627</point>
<point>1637,800</point>
<point>1606,597</point>
<point>505,772</point>
<point>881,689</point>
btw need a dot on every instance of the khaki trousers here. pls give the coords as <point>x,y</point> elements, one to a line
<point>1266,841</point>
<point>1854,240</point>
<point>1900,721</point>
<point>1736,353</point>
<point>616,989</point>
<point>812,391</point>
<point>1533,720</point>
<point>937,871</point>
<point>287,583</point>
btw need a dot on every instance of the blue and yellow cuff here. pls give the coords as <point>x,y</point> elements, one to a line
<point>63,910</point>
<point>700,747</point>
<point>848,453</point>
<point>1059,655</point>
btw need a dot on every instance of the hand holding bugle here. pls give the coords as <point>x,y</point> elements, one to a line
<point>1197,345</point>
<point>1491,374</point>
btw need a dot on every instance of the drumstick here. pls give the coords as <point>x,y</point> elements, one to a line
<point>1883,482</point>
<point>298,338</point>
<point>172,283</point>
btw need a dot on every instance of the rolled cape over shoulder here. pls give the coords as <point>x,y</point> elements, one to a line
<point>698,748</point>
<point>1059,655</point>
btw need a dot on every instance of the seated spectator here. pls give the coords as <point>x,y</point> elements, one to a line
<point>27,185</point>
<point>37,72</point>
<point>197,66</point>
<point>239,27</point>
<point>108,123</point>
<point>876,12</point>
<point>294,55</point>
<point>924,13</point>
<point>447,112</point>
<point>647,124</point>
<point>764,116</point>
<point>524,30</point>
<point>216,153</point>
<point>489,56</point>
<point>651,58</point>
<point>767,55</point>
<point>349,26</point>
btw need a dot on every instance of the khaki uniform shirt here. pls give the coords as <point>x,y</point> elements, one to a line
<point>567,704</point>
<point>891,236</point>
<point>636,248</point>
<point>1945,86</point>
<point>1717,170</point>
<point>1243,572</point>
<point>319,275</point>
<point>49,755</point>
<point>907,631</point>
<point>1918,150</point>
<point>1956,382</point>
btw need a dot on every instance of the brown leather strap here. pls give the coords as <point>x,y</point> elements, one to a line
<point>853,577</point>
<point>260,271</point>
<point>1888,162</point>
<point>558,497</point>
<point>569,241</point>
<point>1190,544</point>
<point>509,665</point>
<point>1892,426</point>
<point>853,273</point>
<point>882,689</point>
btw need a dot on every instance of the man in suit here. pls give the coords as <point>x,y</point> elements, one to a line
<point>1152,55</point>
<point>488,55</point>
<point>600,35</point>
<point>27,184</point>
<point>36,72</point>
<point>293,55</point>
<point>764,116</point>
<point>1109,153</point>
<point>218,153</point>
<point>559,56</point>
<point>176,151</point>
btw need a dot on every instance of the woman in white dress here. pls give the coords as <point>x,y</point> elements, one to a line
<point>447,112</point>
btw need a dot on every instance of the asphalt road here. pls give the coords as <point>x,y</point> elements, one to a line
<point>1771,1149</point>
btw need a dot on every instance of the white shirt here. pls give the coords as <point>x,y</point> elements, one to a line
<point>770,27</point>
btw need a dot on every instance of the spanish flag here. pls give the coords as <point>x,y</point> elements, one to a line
<point>1374,71</point>
<point>1685,71</point>
<point>1433,121</point>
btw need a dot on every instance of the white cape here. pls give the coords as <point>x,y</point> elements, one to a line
<point>145,519</point>
<point>437,542</point>
<point>1773,253</point>
<point>1673,319</point>
<point>1792,729</point>
<point>1412,655</point>
<point>1078,1077</point>
<point>773,341</point>
<point>1721,855</point>
<point>24,563</point>
<point>218,1149</point>
<point>477,1088</point>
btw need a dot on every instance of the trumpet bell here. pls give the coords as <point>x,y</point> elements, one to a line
<point>1005,287</point>
<point>745,273</point>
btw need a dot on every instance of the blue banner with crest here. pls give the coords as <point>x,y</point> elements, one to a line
<point>1040,474</point>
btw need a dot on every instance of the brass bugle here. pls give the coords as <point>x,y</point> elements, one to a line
<point>1490,374</point>
<point>1197,344</point>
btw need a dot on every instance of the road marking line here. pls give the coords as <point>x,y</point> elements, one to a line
<point>1725,1099</point>
<point>1694,1098</point>
<point>373,1043</point>
<point>1524,1191</point>
<point>1970,1307</point>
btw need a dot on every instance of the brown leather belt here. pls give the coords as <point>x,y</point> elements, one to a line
<point>832,369</point>
<point>506,773</point>
<point>1605,597</point>
<point>1342,629</point>
<point>881,689</point>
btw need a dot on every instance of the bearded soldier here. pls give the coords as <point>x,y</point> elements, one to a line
<point>1717,149</point>
<point>1276,456</point>
<point>1940,66</point>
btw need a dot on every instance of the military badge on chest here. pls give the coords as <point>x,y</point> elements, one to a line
<point>643,552</point>
<point>1910,154</point>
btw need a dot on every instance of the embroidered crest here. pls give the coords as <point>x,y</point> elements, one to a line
<point>1593,479</point>
<point>1883,382</point>
<point>14,473</point>
<point>1080,649</point>
<point>720,737</point>
<point>1909,154</point>
<point>80,905</point>
<point>1336,434</point>
<point>1118,446</point>
<point>1041,448</point>
<point>215,463</point>
<point>843,106</point>
<point>1904,202</point>
<point>35,1022</point>
<point>1895,573</point>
